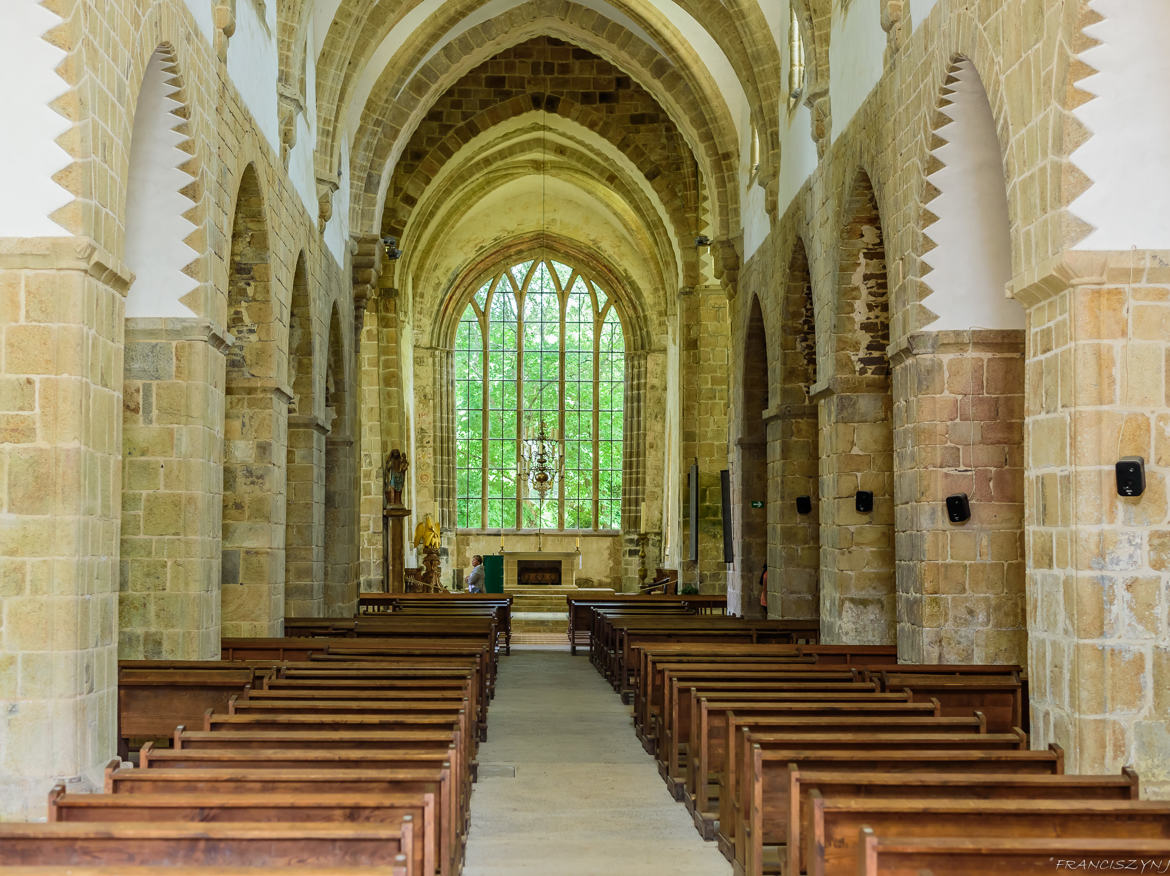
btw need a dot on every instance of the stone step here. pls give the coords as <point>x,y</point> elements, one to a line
<point>540,622</point>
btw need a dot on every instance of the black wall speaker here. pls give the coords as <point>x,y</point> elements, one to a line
<point>693,513</point>
<point>1131,476</point>
<point>725,497</point>
<point>958,508</point>
<point>863,501</point>
<point>804,504</point>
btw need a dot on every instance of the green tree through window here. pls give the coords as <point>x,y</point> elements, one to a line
<point>539,342</point>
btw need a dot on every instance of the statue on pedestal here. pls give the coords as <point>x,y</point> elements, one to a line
<point>427,540</point>
<point>394,478</point>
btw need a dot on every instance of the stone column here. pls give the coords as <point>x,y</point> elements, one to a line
<point>255,451</point>
<point>173,400</point>
<point>794,538</point>
<point>340,590</point>
<point>704,362</point>
<point>304,548</point>
<point>373,453</point>
<point>61,324</point>
<point>636,555</point>
<point>1098,581</point>
<point>958,414</point>
<point>857,549</point>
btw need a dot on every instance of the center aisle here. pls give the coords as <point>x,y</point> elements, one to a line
<point>585,799</point>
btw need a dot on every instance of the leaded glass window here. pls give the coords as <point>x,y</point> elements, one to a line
<point>539,342</point>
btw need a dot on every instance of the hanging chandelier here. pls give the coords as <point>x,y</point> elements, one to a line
<point>541,462</point>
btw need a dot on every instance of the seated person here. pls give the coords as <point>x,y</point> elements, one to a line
<point>474,579</point>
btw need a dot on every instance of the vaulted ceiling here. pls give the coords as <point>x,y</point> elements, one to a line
<point>634,116</point>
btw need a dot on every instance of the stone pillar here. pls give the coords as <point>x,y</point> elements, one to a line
<point>704,363</point>
<point>173,400</point>
<point>1098,581</point>
<point>794,540</point>
<point>958,415</point>
<point>304,550</point>
<point>635,552</point>
<point>255,452</point>
<point>857,549</point>
<point>61,324</point>
<point>373,453</point>
<point>340,543</point>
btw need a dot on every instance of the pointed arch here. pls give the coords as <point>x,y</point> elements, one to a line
<point>753,462</point>
<point>159,206</point>
<point>965,251</point>
<point>796,558</point>
<point>252,572</point>
<point>304,473</point>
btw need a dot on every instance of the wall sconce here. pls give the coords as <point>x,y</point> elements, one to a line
<point>863,501</point>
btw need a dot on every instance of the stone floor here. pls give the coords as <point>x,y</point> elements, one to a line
<point>564,787</point>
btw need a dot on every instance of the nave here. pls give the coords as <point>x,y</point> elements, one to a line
<point>564,786</point>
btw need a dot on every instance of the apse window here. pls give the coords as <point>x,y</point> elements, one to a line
<point>540,344</point>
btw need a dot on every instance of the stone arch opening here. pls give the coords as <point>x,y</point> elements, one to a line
<point>304,561</point>
<point>753,464</point>
<point>340,592</point>
<point>961,585</point>
<point>857,489</point>
<point>255,414</point>
<point>166,598</point>
<point>797,554</point>
<point>966,244</point>
<point>157,195</point>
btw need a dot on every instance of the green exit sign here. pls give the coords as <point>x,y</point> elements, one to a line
<point>757,504</point>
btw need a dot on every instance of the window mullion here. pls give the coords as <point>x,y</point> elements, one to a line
<point>597,328</point>
<point>561,417</point>
<point>520,482</point>
<point>485,435</point>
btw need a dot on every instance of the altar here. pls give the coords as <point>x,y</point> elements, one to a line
<point>551,569</point>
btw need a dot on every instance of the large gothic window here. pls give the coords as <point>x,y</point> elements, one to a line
<point>539,343</point>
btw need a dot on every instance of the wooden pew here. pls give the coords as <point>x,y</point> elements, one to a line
<point>663,704</point>
<point>152,700</point>
<point>205,808</point>
<point>921,786</point>
<point>580,609</point>
<point>740,832</point>
<point>435,780</point>
<point>834,831</point>
<point>1002,700</point>
<point>180,843</point>
<point>707,767</point>
<point>402,719</point>
<point>977,856</point>
<point>676,756</point>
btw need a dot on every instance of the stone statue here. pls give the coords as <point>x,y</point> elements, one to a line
<point>394,478</point>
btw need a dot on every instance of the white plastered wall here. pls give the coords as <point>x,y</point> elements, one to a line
<point>204,19</point>
<point>1128,203</point>
<point>753,215</point>
<point>337,229</point>
<point>300,160</point>
<point>29,154</point>
<point>857,44</point>
<point>919,9</point>
<point>253,64</point>
<point>155,225</point>
<point>798,151</point>
<point>972,262</point>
